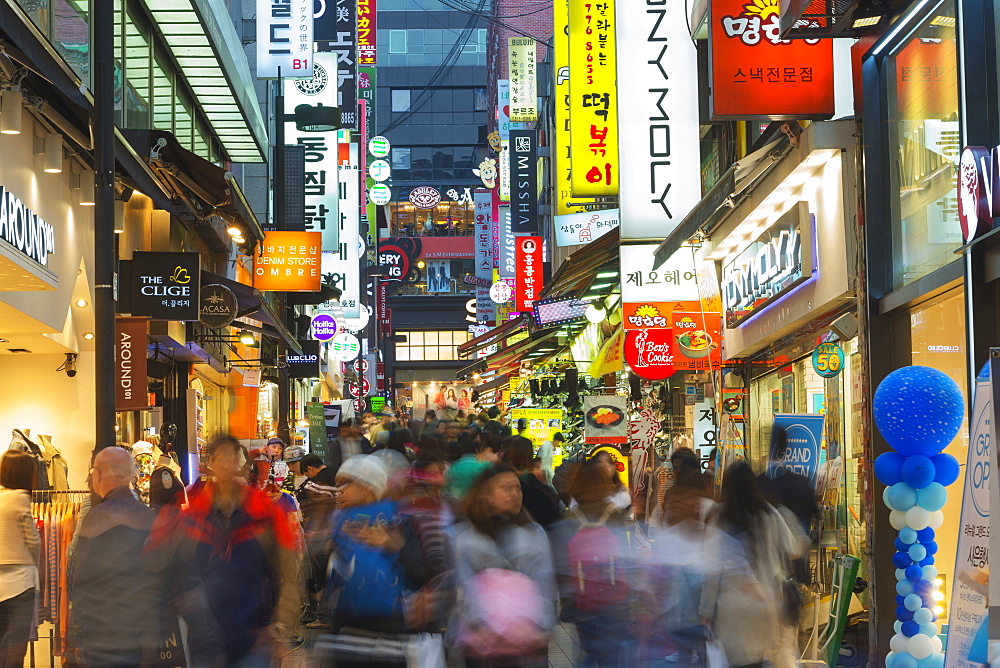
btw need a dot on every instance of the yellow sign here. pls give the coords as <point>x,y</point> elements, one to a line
<point>618,459</point>
<point>593,99</point>
<point>561,163</point>
<point>540,423</point>
<point>612,355</point>
<point>521,68</point>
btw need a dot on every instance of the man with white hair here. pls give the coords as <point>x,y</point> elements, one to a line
<point>110,588</point>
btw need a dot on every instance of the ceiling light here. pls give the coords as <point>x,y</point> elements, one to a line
<point>88,189</point>
<point>607,274</point>
<point>235,231</point>
<point>247,338</point>
<point>943,21</point>
<point>240,239</point>
<point>53,161</point>
<point>10,112</point>
<point>421,264</point>
<point>119,217</point>
<point>82,303</point>
<point>89,336</point>
<point>594,314</point>
<point>866,22</point>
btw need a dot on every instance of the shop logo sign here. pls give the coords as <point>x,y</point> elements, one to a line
<point>165,286</point>
<point>218,306</point>
<point>24,230</point>
<point>425,197</point>
<point>978,191</point>
<point>324,327</point>
<point>650,353</point>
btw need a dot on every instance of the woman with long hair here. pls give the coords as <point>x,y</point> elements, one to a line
<point>19,550</point>
<point>540,500</point>
<point>504,567</point>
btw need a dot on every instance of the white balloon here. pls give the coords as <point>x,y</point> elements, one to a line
<point>937,644</point>
<point>897,519</point>
<point>920,647</point>
<point>936,519</point>
<point>917,518</point>
<point>899,643</point>
<point>897,625</point>
<point>900,574</point>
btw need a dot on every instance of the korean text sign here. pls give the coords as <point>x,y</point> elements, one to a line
<point>756,74</point>
<point>483,202</point>
<point>523,156</point>
<point>284,38</point>
<point>289,262</point>
<point>523,79</point>
<point>530,273</point>
<point>562,151</point>
<point>593,104</point>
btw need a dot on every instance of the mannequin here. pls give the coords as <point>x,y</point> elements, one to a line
<point>56,465</point>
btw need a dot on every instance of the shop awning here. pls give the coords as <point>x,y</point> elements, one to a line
<point>514,353</point>
<point>584,268</point>
<point>497,335</point>
<point>253,305</point>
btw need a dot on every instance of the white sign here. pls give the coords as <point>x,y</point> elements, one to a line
<point>345,347</point>
<point>379,146</point>
<point>251,377</point>
<point>379,170</point>
<point>285,39</point>
<point>503,164</point>
<point>674,281</point>
<point>322,203</point>
<point>355,325</point>
<point>24,231</point>
<point>659,163</point>
<point>340,267</point>
<point>500,292</point>
<point>574,229</point>
<point>379,194</point>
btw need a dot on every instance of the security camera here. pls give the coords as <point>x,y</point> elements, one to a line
<point>69,366</point>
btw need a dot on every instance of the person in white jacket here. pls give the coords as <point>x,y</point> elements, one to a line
<point>19,550</point>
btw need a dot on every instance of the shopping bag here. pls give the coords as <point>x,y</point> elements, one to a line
<point>426,650</point>
<point>715,654</point>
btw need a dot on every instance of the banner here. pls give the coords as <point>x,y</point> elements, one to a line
<point>540,423</point>
<point>611,357</point>
<point>577,229</point>
<point>563,179</point>
<point>523,150</point>
<point>367,33</point>
<point>284,38</point>
<point>756,74</point>
<point>605,419</point>
<point>130,364</point>
<point>523,79</point>
<point>804,434</point>
<point>316,414</point>
<point>342,42</point>
<point>659,154</point>
<point>593,105</point>
<point>530,272</point>
<point>967,612</point>
<point>288,262</point>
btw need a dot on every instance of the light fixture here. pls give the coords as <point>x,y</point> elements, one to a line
<point>82,303</point>
<point>608,274</point>
<point>905,22</point>
<point>866,22</point>
<point>240,239</point>
<point>938,610</point>
<point>10,112</point>
<point>943,21</point>
<point>52,150</point>
<point>89,336</point>
<point>421,264</point>
<point>235,231</point>
<point>119,217</point>
<point>303,423</point>
<point>88,188</point>
<point>247,338</point>
<point>594,314</point>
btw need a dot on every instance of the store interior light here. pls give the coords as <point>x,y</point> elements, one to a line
<point>943,21</point>
<point>119,217</point>
<point>240,239</point>
<point>88,336</point>
<point>607,274</point>
<point>82,303</point>
<point>10,112</point>
<point>88,189</point>
<point>248,339</point>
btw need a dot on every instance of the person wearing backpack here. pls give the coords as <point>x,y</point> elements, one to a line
<point>594,568</point>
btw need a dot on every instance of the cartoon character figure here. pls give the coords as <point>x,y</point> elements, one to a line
<point>494,140</point>
<point>487,172</point>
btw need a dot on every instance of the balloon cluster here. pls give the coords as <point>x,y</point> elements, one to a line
<point>918,411</point>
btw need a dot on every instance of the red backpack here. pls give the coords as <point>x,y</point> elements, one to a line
<point>595,560</point>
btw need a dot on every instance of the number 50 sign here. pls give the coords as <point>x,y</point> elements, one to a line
<point>828,359</point>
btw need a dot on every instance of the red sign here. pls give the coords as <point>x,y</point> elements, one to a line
<point>288,262</point>
<point>650,353</point>
<point>366,32</point>
<point>529,281</point>
<point>130,364</point>
<point>756,74</point>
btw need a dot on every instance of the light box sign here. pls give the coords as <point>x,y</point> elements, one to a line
<point>774,264</point>
<point>165,286</point>
<point>756,74</point>
<point>130,364</point>
<point>592,101</point>
<point>530,271</point>
<point>288,262</point>
<point>650,353</point>
<point>523,149</point>
<point>674,281</point>
<point>483,212</point>
<point>342,42</point>
<point>658,95</point>
<point>507,263</point>
<point>284,38</point>
<point>367,32</point>
<point>577,229</point>
<point>523,79</point>
<point>305,365</point>
<point>559,311</point>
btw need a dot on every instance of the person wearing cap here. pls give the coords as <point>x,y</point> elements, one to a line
<point>376,560</point>
<point>269,469</point>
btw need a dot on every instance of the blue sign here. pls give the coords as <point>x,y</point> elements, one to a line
<point>804,436</point>
<point>828,360</point>
<point>324,327</point>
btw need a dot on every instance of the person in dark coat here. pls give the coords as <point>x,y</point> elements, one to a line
<point>540,500</point>
<point>114,620</point>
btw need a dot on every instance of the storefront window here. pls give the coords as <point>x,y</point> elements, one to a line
<point>450,218</point>
<point>430,345</point>
<point>925,122</point>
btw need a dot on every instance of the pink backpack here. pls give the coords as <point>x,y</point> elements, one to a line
<point>595,561</point>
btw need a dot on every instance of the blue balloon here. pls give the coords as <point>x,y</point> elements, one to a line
<point>927,562</point>
<point>923,616</point>
<point>914,573</point>
<point>917,552</point>
<point>935,660</point>
<point>901,559</point>
<point>910,628</point>
<point>904,587</point>
<point>929,629</point>
<point>901,574</point>
<point>922,588</point>
<point>918,410</point>
<point>912,602</point>
<point>900,545</point>
<point>889,468</point>
<point>946,469</point>
<point>930,572</point>
<point>900,496</point>
<point>918,472</point>
<point>897,626</point>
<point>932,497</point>
<point>904,659</point>
<point>925,535</point>
<point>908,535</point>
<point>931,547</point>
<point>902,614</point>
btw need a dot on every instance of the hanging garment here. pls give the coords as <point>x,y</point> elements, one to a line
<point>55,463</point>
<point>20,442</point>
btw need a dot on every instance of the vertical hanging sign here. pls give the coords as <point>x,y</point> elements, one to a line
<point>483,211</point>
<point>366,32</point>
<point>523,79</point>
<point>529,272</point>
<point>523,149</point>
<point>659,153</point>
<point>593,104</point>
<point>342,42</point>
<point>130,364</point>
<point>284,38</point>
<point>560,58</point>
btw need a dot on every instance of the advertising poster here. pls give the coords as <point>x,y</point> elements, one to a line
<point>970,587</point>
<point>540,423</point>
<point>316,413</point>
<point>604,419</point>
<point>804,434</point>
<point>438,275</point>
<point>441,396</point>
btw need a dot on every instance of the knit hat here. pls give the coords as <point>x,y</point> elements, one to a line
<point>275,441</point>
<point>367,470</point>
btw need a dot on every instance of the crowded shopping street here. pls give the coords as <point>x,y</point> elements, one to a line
<point>499,333</point>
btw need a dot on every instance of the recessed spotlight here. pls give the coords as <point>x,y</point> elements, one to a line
<point>82,303</point>
<point>88,335</point>
<point>234,231</point>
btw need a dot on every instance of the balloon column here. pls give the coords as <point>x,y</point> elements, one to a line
<point>919,411</point>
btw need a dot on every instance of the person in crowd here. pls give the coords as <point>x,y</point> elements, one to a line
<point>504,567</point>
<point>429,425</point>
<point>110,584</point>
<point>392,451</point>
<point>540,500</point>
<point>269,467</point>
<point>376,561</point>
<point>232,564</point>
<point>401,440</point>
<point>547,451</point>
<point>620,497</point>
<point>688,482</point>
<point>713,462</point>
<point>767,543</point>
<point>477,455</point>
<point>19,552</point>
<point>782,486</point>
<point>350,441</point>
<point>591,548</point>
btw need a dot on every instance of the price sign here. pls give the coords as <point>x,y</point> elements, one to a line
<point>828,359</point>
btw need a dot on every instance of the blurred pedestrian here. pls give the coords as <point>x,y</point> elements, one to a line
<point>268,465</point>
<point>478,454</point>
<point>317,498</point>
<point>110,583</point>
<point>540,500</point>
<point>19,551</point>
<point>505,571</point>
<point>619,496</point>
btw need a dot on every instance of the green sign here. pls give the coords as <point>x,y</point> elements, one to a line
<point>828,360</point>
<point>317,429</point>
<point>378,146</point>
<point>377,404</point>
